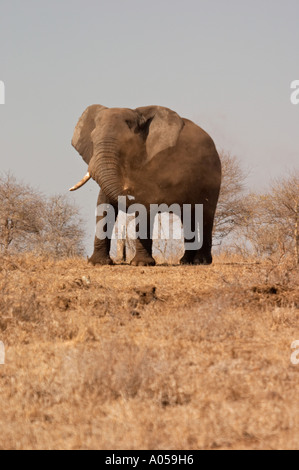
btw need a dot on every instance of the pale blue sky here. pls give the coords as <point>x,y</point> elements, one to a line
<point>226,64</point>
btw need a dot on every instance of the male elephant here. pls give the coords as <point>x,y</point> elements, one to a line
<point>156,157</point>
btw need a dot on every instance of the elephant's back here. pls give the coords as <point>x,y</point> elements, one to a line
<point>194,162</point>
<point>197,142</point>
<point>185,172</point>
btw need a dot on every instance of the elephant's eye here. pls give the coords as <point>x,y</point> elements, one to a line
<point>130,124</point>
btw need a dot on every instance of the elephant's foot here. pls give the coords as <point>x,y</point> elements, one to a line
<point>186,262</point>
<point>204,259</point>
<point>197,259</point>
<point>97,259</point>
<point>187,259</point>
<point>143,261</point>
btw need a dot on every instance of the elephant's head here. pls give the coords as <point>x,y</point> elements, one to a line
<point>112,140</point>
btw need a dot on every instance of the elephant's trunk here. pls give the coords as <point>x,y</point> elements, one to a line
<point>105,169</point>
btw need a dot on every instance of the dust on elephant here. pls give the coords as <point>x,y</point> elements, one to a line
<point>155,156</point>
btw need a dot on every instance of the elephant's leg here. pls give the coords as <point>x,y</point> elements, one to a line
<point>143,256</point>
<point>204,254</point>
<point>101,254</point>
<point>189,255</point>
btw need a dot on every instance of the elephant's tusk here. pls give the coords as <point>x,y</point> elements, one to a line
<point>81,183</point>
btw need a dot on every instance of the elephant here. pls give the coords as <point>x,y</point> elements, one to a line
<point>153,156</point>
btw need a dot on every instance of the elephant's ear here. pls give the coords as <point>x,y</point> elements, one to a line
<point>81,140</point>
<point>162,128</point>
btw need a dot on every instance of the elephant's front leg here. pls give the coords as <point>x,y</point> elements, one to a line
<point>104,229</point>
<point>143,256</point>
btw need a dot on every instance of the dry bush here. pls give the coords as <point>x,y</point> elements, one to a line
<point>21,209</point>
<point>270,226</point>
<point>31,222</point>
<point>232,207</point>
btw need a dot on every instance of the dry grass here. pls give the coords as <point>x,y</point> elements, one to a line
<point>148,358</point>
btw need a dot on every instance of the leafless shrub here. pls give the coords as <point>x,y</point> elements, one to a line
<point>62,233</point>
<point>21,210</point>
<point>271,225</point>
<point>232,207</point>
<point>31,222</point>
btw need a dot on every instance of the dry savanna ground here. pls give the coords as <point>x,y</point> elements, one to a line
<point>124,357</point>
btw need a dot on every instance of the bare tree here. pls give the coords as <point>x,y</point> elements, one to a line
<point>284,207</point>
<point>62,233</point>
<point>31,222</point>
<point>21,208</point>
<point>271,225</point>
<point>257,233</point>
<point>232,207</point>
